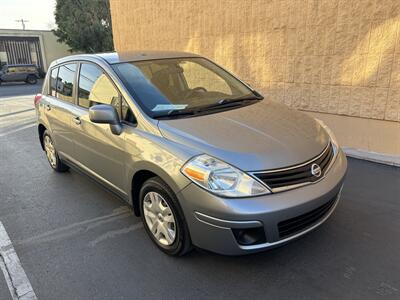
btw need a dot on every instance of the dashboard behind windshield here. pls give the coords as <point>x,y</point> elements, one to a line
<point>178,83</point>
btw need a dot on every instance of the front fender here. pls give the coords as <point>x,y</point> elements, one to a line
<point>154,153</point>
<point>170,175</point>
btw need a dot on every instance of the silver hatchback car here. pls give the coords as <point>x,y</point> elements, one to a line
<point>200,155</point>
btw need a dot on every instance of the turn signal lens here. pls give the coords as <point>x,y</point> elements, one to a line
<point>221,178</point>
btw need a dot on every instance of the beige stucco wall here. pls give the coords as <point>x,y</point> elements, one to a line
<point>339,57</point>
<point>51,49</point>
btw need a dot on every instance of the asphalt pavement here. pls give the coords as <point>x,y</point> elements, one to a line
<point>77,241</point>
<point>4,292</point>
<point>11,89</point>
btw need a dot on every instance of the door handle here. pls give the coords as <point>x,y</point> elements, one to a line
<point>48,107</point>
<point>77,120</point>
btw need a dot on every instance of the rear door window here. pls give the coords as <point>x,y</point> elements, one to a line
<point>65,82</point>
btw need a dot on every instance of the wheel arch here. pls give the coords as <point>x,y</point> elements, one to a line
<point>41,130</point>
<point>175,181</point>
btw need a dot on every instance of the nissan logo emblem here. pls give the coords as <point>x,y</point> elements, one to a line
<point>316,170</point>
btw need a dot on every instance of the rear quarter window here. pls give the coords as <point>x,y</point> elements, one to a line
<point>53,82</point>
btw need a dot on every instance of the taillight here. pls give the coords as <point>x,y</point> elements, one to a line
<point>37,98</point>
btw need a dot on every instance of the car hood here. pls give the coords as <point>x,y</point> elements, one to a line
<point>261,136</point>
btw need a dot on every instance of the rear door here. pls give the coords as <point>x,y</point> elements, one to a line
<point>95,147</point>
<point>59,105</point>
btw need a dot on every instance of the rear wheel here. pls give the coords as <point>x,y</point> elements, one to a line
<point>31,79</point>
<point>163,219</point>
<point>52,155</point>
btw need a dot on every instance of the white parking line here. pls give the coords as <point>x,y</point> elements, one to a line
<point>17,281</point>
<point>16,112</point>
<point>17,129</point>
<point>8,279</point>
<point>16,98</point>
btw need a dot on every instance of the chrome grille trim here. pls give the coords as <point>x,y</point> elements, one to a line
<point>330,145</point>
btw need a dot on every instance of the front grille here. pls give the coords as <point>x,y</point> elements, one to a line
<point>294,225</point>
<point>297,175</point>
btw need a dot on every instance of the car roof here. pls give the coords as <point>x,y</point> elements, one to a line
<point>128,56</point>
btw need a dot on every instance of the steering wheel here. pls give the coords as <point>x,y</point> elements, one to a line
<point>195,90</point>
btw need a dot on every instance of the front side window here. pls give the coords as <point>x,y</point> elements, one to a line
<point>165,85</point>
<point>95,87</point>
<point>65,82</point>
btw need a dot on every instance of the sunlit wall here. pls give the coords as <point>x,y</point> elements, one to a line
<point>340,57</point>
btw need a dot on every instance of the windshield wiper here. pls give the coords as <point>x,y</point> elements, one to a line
<point>223,103</point>
<point>228,102</point>
<point>178,112</point>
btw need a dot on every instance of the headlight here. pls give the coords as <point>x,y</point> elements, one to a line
<point>221,178</point>
<point>330,133</point>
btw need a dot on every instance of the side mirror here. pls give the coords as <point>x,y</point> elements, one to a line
<point>106,114</point>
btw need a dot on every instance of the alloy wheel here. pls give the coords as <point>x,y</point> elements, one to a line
<point>159,218</point>
<point>50,151</point>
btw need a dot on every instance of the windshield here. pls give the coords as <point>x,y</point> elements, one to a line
<point>180,84</point>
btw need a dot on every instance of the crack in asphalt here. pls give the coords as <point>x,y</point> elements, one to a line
<point>114,233</point>
<point>75,228</point>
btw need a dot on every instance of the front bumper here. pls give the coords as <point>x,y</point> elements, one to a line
<point>213,221</point>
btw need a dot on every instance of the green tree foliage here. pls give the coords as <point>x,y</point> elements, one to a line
<point>84,25</point>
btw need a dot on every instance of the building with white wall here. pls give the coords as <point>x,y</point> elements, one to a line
<point>39,47</point>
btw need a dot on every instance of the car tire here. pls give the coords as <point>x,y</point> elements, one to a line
<point>164,215</point>
<point>52,155</point>
<point>31,79</point>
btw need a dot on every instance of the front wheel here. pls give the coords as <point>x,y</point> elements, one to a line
<point>163,218</point>
<point>52,155</point>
